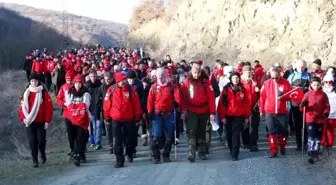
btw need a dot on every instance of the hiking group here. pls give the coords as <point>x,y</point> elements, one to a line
<point>115,91</point>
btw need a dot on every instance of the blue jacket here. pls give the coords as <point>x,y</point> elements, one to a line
<point>302,80</point>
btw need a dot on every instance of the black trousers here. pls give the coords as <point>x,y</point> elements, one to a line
<point>80,136</point>
<point>71,134</point>
<point>124,132</point>
<point>37,139</point>
<point>110,126</point>
<point>234,127</point>
<point>48,80</point>
<point>254,133</point>
<point>297,117</point>
<point>314,136</point>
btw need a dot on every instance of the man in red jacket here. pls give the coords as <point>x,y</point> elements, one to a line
<point>198,103</point>
<point>274,108</point>
<point>60,100</point>
<point>253,92</point>
<point>40,68</point>
<point>160,106</point>
<point>122,105</point>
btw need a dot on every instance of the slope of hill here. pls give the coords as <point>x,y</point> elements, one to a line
<point>81,29</point>
<point>269,30</point>
<point>19,35</point>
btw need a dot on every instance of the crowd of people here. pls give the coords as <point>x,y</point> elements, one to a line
<point>114,92</point>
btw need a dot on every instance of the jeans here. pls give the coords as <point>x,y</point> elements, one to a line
<point>95,130</point>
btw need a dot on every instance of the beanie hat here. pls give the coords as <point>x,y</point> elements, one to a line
<point>119,77</point>
<point>318,62</point>
<point>328,78</point>
<point>161,73</point>
<point>247,68</point>
<point>131,74</point>
<point>34,75</point>
<point>78,79</point>
<point>69,75</point>
<point>199,62</point>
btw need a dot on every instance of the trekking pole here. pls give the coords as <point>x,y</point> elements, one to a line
<point>326,136</point>
<point>175,131</point>
<point>303,127</point>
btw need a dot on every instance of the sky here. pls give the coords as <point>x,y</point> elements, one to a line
<point>111,10</point>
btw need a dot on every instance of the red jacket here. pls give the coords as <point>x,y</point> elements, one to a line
<point>60,99</point>
<point>162,100</point>
<point>251,95</point>
<point>51,66</point>
<point>39,67</point>
<point>318,104</point>
<point>121,106</point>
<point>270,92</point>
<point>68,65</point>
<point>318,74</point>
<point>197,98</point>
<point>236,104</point>
<point>259,72</point>
<point>45,112</point>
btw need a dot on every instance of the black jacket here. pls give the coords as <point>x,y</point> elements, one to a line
<point>96,102</point>
<point>138,86</point>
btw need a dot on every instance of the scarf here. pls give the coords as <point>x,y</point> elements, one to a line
<point>31,116</point>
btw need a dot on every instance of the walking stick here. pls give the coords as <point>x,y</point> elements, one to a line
<point>303,127</point>
<point>175,131</point>
<point>326,135</point>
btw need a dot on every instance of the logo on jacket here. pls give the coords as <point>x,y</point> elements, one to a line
<point>191,91</point>
<point>127,95</point>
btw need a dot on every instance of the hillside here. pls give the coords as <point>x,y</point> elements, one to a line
<point>268,30</point>
<point>81,29</point>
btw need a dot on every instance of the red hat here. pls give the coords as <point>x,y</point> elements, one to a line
<point>199,62</point>
<point>119,77</point>
<point>69,75</point>
<point>78,79</point>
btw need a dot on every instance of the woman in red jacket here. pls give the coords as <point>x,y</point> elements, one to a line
<point>317,108</point>
<point>36,113</point>
<point>233,113</point>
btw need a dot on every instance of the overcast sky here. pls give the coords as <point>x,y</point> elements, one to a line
<point>112,10</point>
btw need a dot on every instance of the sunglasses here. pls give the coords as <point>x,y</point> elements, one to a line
<point>329,82</point>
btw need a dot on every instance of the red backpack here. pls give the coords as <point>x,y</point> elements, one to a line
<point>79,115</point>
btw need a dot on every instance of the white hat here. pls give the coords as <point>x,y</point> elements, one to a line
<point>153,72</point>
<point>328,78</point>
<point>228,70</point>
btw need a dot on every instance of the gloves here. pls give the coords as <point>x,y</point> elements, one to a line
<point>304,103</point>
<point>326,115</point>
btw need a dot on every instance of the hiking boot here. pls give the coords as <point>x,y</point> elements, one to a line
<point>98,147</point>
<point>35,164</point>
<point>111,151</point>
<point>70,153</point>
<point>272,155</point>
<point>311,160</point>
<point>207,150</point>
<point>166,159</point>
<point>130,159</point>
<point>144,140</point>
<point>43,159</point>
<point>119,165</point>
<point>203,157</point>
<point>254,149</point>
<point>134,155</point>
<point>246,147</point>
<point>234,158</point>
<point>156,161</point>
<point>191,157</point>
<point>83,158</point>
<point>299,148</point>
<point>283,151</point>
<point>77,160</point>
<point>220,138</point>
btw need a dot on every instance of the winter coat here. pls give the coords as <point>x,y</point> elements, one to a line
<point>39,67</point>
<point>58,76</point>
<point>332,102</point>
<point>163,98</point>
<point>102,92</point>
<point>215,87</point>
<point>61,98</point>
<point>96,102</point>
<point>319,74</point>
<point>269,94</point>
<point>27,66</point>
<point>318,104</point>
<point>252,93</point>
<point>300,80</point>
<point>45,112</point>
<point>259,73</point>
<point>288,72</point>
<point>120,105</point>
<point>236,103</point>
<point>198,96</point>
<point>140,74</point>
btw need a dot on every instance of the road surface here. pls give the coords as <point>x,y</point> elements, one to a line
<point>251,168</point>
